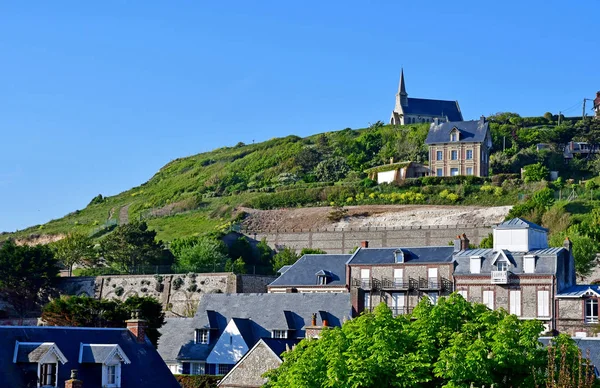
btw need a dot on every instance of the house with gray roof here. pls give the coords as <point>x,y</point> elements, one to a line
<point>36,356</point>
<point>313,273</point>
<point>226,326</point>
<point>421,110</point>
<point>459,148</point>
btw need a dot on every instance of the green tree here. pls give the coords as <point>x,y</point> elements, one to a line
<point>265,253</point>
<point>452,344</point>
<point>535,172</point>
<point>307,159</point>
<point>76,248</point>
<point>205,256</point>
<point>487,242</point>
<point>131,245</point>
<point>287,256</point>
<point>84,311</point>
<point>27,276</point>
<point>585,248</point>
<point>332,169</point>
<point>311,251</point>
<point>241,248</point>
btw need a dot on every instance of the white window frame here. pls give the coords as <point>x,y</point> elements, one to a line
<point>281,334</point>
<point>515,302</point>
<point>106,377</point>
<point>488,298</point>
<point>452,170</point>
<point>463,293</point>
<point>469,170</point>
<point>439,155</point>
<point>502,265</point>
<point>475,264</point>
<point>398,303</point>
<point>453,154</point>
<point>529,264</point>
<point>202,336</point>
<point>591,318</point>
<point>439,172</point>
<point>469,155</point>
<point>197,368</point>
<point>454,136</point>
<point>543,303</point>
<point>367,300</point>
<point>41,375</point>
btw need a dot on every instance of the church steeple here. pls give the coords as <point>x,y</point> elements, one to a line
<point>402,90</point>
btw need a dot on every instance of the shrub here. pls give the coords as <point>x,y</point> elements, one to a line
<point>337,213</point>
<point>498,191</point>
<point>535,172</point>
<point>197,381</point>
<point>332,169</point>
<point>444,194</point>
<point>487,188</point>
<point>453,197</point>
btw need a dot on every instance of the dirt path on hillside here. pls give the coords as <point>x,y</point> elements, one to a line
<point>124,215</point>
<point>374,216</point>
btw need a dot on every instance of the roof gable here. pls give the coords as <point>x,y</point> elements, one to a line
<point>37,352</point>
<point>101,353</point>
<point>474,131</point>
<point>232,344</point>
<point>520,223</point>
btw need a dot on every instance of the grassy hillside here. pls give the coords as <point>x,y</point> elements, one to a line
<point>191,195</point>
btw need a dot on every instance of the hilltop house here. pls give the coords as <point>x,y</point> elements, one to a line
<point>396,172</point>
<point>420,110</point>
<point>226,326</point>
<point>35,356</point>
<point>459,148</point>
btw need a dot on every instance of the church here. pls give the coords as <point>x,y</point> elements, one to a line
<point>422,110</point>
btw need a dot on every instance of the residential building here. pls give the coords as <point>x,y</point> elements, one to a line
<point>263,357</point>
<point>580,149</point>
<point>459,148</point>
<point>577,308</point>
<point>313,273</point>
<point>397,172</point>
<point>520,274</point>
<point>40,356</point>
<point>398,277</point>
<point>420,110</point>
<point>226,326</point>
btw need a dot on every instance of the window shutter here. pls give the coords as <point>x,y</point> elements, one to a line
<point>529,264</point>
<point>515,303</point>
<point>488,299</point>
<point>543,303</point>
<point>475,265</point>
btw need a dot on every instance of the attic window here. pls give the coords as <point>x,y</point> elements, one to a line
<point>454,135</point>
<point>202,336</point>
<point>279,334</point>
<point>399,256</point>
<point>322,277</point>
<point>502,265</point>
<point>475,266</point>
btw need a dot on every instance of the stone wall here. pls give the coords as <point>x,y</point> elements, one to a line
<point>335,240</point>
<point>178,293</point>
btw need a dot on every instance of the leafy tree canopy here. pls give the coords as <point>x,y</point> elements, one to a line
<point>206,255</point>
<point>287,256</point>
<point>27,275</point>
<point>85,311</point>
<point>76,248</point>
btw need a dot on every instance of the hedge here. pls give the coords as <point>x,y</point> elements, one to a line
<point>198,381</point>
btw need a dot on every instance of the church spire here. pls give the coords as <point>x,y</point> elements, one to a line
<point>402,90</point>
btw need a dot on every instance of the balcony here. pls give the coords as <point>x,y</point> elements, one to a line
<point>366,284</point>
<point>395,284</point>
<point>499,277</point>
<point>430,284</point>
<point>400,311</point>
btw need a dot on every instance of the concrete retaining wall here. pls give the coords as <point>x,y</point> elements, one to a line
<point>344,240</point>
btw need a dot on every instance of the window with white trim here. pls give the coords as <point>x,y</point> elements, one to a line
<point>367,300</point>
<point>439,172</point>
<point>433,297</point>
<point>543,300</point>
<point>515,302</point>
<point>453,171</point>
<point>488,299</point>
<point>529,264</point>
<point>111,375</point>
<point>591,311</point>
<point>48,374</point>
<point>463,293</point>
<point>469,154</point>
<point>439,155</point>
<point>454,136</point>
<point>502,265</point>
<point>475,266</point>
<point>279,334</point>
<point>454,155</point>
<point>197,368</point>
<point>469,170</point>
<point>202,336</point>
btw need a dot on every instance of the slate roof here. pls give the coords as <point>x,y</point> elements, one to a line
<point>473,131</point>
<point>579,290</point>
<point>427,107</point>
<point>545,264</point>
<point>143,357</point>
<point>415,255</point>
<point>28,352</point>
<point>519,223</point>
<point>96,353</point>
<point>278,346</point>
<point>304,271</point>
<point>589,346</point>
<point>264,312</point>
<point>244,325</point>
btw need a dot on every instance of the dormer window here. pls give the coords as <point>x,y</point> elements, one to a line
<point>454,135</point>
<point>323,277</point>
<point>111,356</point>
<point>502,265</point>
<point>47,356</point>
<point>202,336</point>
<point>48,374</point>
<point>475,266</point>
<point>282,334</point>
<point>399,256</point>
<point>529,264</point>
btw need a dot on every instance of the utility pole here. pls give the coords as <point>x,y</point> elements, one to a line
<point>583,113</point>
<point>559,114</point>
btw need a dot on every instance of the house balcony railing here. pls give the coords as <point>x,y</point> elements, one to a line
<point>367,284</point>
<point>499,277</point>
<point>430,284</point>
<point>396,284</point>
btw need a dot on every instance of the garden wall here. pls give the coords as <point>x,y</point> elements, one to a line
<point>343,240</point>
<point>178,293</point>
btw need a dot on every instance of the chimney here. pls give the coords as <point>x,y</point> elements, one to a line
<point>482,119</point>
<point>73,382</point>
<point>314,319</point>
<point>364,244</point>
<point>568,245</point>
<point>137,326</point>
<point>464,242</point>
<point>457,244</point>
<point>436,120</point>
<point>325,323</point>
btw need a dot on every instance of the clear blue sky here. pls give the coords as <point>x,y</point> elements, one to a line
<point>96,96</point>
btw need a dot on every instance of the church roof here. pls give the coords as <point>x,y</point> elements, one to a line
<point>427,107</point>
<point>473,131</point>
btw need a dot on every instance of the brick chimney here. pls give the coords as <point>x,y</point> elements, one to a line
<point>314,320</point>
<point>457,244</point>
<point>464,242</point>
<point>73,382</point>
<point>137,326</point>
<point>482,119</point>
<point>364,244</point>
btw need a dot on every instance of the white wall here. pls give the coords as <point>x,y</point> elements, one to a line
<point>386,176</point>
<point>515,240</point>
<point>230,347</point>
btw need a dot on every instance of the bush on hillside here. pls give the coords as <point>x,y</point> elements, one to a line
<point>197,381</point>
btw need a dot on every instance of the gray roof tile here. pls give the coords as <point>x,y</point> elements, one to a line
<point>473,131</point>
<point>304,271</point>
<point>519,223</point>
<point>411,255</point>
<point>427,107</point>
